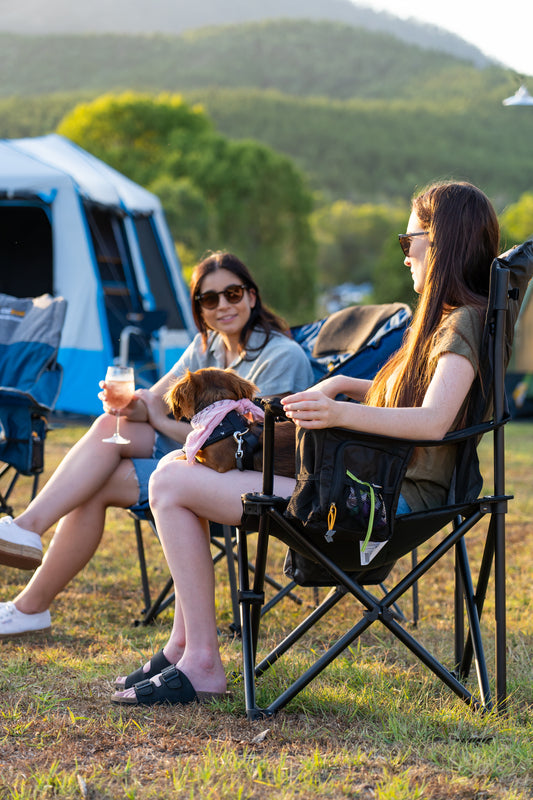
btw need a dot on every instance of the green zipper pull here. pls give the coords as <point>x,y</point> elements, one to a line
<point>372,507</point>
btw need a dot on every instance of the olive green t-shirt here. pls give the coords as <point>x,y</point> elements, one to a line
<point>427,480</point>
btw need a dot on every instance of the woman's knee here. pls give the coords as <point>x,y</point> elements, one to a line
<point>167,485</point>
<point>121,490</point>
<point>103,426</point>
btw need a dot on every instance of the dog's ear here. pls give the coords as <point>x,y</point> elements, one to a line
<point>239,387</point>
<point>212,384</point>
<point>180,398</point>
<point>196,390</point>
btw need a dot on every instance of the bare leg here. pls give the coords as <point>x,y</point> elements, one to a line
<point>180,497</point>
<point>76,539</point>
<point>84,472</point>
<point>175,646</point>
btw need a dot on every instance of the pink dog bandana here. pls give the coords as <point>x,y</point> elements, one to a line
<point>205,422</point>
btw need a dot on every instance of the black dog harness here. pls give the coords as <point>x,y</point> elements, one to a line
<point>245,436</point>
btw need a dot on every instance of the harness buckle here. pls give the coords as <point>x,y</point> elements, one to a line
<point>239,455</point>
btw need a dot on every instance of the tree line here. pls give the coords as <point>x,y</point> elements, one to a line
<point>240,195</point>
<point>217,193</point>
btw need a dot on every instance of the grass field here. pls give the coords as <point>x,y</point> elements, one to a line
<point>375,726</point>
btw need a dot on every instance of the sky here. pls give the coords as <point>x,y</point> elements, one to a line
<point>501,30</point>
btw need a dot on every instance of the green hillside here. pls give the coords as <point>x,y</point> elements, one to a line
<point>366,116</point>
<point>295,57</point>
<point>373,150</point>
<point>176,16</point>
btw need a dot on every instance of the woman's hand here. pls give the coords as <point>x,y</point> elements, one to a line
<point>311,409</point>
<point>331,387</point>
<point>156,409</point>
<point>135,411</point>
<point>355,388</point>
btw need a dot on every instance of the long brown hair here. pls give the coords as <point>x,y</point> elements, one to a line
<point>463,236</point>
<point>261,317</point>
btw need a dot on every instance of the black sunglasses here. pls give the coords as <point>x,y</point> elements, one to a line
<point>406,239</point>
<point>233,295</point>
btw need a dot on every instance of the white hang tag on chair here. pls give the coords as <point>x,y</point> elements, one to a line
<point>370,551</point>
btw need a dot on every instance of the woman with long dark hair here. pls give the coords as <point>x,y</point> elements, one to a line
<point>422,392</point>
<point>235,330</point>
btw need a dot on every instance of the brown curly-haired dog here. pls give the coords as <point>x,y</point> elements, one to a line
<point>197,390</point>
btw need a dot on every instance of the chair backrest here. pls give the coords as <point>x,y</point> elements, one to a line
<point>510,275</point>
<point>355,341</point>
<point>30,332</point>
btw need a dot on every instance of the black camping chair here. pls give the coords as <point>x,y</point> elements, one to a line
<point>30,381</point>
<point>354,341</point>
<point>326,557</point>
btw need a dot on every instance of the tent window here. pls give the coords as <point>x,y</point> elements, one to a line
<point>121,292</point>
<point>26,256</point>
<point>157,272</point>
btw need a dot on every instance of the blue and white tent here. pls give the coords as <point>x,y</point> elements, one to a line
<point>71,225</point>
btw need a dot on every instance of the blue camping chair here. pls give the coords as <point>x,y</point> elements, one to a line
<point>355,341</point>
<point>30,381</point>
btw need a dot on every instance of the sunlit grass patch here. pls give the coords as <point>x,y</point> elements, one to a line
<point>375,724</point>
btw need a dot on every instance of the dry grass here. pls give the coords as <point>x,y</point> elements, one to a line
<point>375,725</point>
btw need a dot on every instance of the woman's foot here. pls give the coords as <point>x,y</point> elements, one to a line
<point>171,687</point>
<point>18,547</point>
<point>153,667</point>
<point>15,623</point>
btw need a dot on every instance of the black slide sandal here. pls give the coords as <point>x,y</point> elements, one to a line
<point>175,689</point>
<point>158,663</point>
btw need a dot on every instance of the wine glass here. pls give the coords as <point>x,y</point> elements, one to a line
<point>119,389</point>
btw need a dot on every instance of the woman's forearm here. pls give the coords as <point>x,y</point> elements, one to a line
<point>400,423</point>
<point>355,388</point>
<point>432,420</point>
<point>174,429</point>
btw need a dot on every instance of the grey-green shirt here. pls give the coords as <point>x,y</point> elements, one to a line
<point>280,367</point>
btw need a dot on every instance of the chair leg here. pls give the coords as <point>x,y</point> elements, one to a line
<point>5,507</point>
<point>500,612</point>
<point>246,601</point>
<point>142,564</point>
<point>473,622</point>
<point>396,610</point>
<point>481,592</point>
<point>35,486</point>
<point>281,591</point>
<point>159,604</point>
<point>416,607</point>
<point>459,622</point>
<point>228,548</point>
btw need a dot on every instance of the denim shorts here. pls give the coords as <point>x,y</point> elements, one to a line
<point>145,466</point>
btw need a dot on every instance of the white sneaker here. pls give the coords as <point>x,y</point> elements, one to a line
<point>19,547</point>
<point>14,623</point>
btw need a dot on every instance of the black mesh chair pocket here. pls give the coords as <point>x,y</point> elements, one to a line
<point>347,517</point>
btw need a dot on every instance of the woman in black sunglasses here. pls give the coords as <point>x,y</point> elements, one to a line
<point>235,330</point>
<point>452,239</point>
